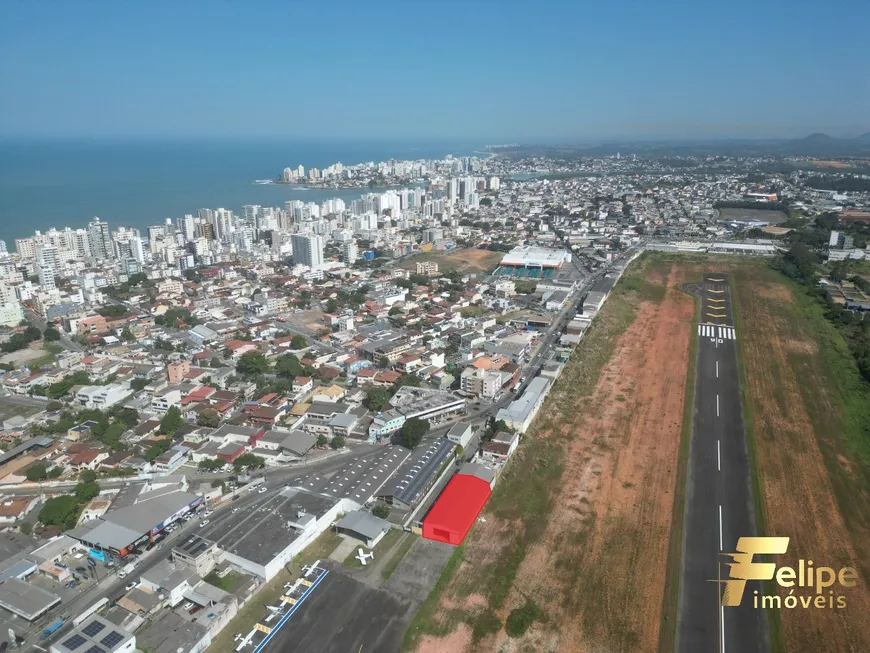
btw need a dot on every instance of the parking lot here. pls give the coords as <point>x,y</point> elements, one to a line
<point>343,614</point>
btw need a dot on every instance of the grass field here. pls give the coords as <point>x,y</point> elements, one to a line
<point>473,261</point>
<point>579,521</point>
<point>809,422</point>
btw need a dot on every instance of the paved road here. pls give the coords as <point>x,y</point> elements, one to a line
<point>719,506</point>
<point>65,341</point>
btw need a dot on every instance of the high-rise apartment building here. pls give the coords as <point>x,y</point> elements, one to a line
<point>101,239</point>
<point>307,249</point>
<point>350,252</point>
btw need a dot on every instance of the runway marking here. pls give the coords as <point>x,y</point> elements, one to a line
<point>717,316</point>
<point>717,405</point>
<point>720,526</point>
<point>722,622</point>
<point>717,369</point>
<point>718,456</point>
<point>718,300</point>
<point>716,291</point>
<point>716,280</point>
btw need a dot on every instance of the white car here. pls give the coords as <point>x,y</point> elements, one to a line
<point>130,586</point>
<point>261,490</point>
<point>204,523</point>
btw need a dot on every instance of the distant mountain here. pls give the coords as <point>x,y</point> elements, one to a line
<point>818,138</point>
<point>824,145</point>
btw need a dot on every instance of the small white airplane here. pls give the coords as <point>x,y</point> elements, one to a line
<point>362,556</point>
<point>310,568</point>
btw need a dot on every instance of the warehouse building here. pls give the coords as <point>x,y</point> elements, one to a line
<point>25,600</point>
<point>520,413</point>
<point>456,509</point>
<point>262,541</point>
<point>365,527</point>
<point>121,530</point>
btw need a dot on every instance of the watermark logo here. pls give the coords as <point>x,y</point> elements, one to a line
<point>814,581</point>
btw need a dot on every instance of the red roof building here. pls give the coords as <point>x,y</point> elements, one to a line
<point>454,512</point>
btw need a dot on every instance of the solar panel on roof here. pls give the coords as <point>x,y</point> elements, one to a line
<point>93,628</point>
<point>74,642</point>
<point>112,639</point>
<point>95,649</point>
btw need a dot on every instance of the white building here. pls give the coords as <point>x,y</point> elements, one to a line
<point>520,413</point>
<point>307,249</point>
<point>11,314</point>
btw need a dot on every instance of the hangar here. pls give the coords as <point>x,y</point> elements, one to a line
<point>454,512</point>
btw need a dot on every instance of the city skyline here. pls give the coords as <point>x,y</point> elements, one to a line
<point>487,72</point>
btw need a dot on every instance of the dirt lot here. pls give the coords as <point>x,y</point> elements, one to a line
<point>831,164</point>
<point>475,261</point>
<point>771,217</point>
<point>580,522</point>
<point>815,491</point>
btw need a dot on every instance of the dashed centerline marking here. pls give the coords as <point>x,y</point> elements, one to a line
<point>718,456</point>
<point>717,405</point>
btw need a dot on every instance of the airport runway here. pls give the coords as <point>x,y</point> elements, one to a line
<point>719,505</point>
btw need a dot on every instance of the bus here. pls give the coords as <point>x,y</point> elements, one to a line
<point>96,607</point>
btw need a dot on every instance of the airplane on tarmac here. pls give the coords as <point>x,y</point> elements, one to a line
<point>362,556</point>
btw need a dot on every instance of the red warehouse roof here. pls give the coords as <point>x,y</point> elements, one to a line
<point>454,512</point>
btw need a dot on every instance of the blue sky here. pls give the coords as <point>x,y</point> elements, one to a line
<point>484,70</point>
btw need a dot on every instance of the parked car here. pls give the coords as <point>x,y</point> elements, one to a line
<point>130,586</point>
<point>204,523</point>
<point>262,489</point>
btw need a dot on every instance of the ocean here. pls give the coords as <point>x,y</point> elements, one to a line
<point>47,184</point>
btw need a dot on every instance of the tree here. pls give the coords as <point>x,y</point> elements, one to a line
<point>322,440</point>
<point>381,510</point>
<point>172,421</point>
<point>331,305</point>
<point>158,448</point>
<point>298,342</point>
<point>87,476</point>
<point>55,472</point>
<point>288,365</point>
<point>252,363</point>
<point>337,442</point>
<point>86,491</point>
<point>413,431</point>
<point>211,465</point>
<point>216,362</point>
<point>248,460</point>
<point>127,417</point>
<point>26,528</point>
<point>209,417</point>
<point>376,398</point>
<point>127,335</point>
<point>53,406</point>
<point>36,473</point>
<point>408,379</point>
<point>395,310</point>
<point>61,511</point>
<point>51,334</point>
